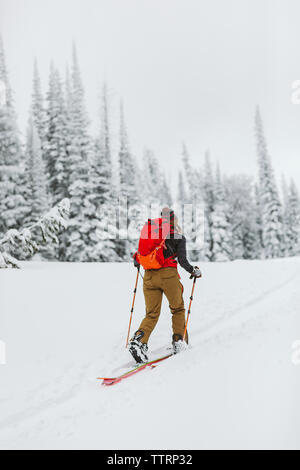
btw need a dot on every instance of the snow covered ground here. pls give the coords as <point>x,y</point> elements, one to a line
<point>236,387</point>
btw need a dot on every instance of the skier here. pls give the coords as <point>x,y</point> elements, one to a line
<point>161,277</point>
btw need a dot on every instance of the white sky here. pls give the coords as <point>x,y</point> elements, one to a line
<point>189,70</point>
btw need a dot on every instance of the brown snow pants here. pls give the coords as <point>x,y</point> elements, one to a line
<point>156,283</point>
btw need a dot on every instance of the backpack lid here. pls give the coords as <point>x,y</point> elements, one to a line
<point>153,233</point>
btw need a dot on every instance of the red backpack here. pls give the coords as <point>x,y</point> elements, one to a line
<point>152,243</point>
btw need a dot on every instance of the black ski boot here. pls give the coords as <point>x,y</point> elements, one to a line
<point>137,349</point>
<point>178,344</point>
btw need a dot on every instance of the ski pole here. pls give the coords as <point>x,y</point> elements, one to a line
<point>189,310</point>
<point>131,312</point>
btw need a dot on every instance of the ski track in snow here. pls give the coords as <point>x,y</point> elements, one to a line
<point>44,404</point>
<point>231,314</point>
<point>52,413</point>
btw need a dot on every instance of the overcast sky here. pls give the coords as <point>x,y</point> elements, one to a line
<point>188,70</point>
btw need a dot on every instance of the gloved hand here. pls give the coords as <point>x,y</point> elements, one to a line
<point>135,261</point>
<point>196,273</point>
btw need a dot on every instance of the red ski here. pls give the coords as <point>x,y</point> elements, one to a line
<point>115,380</point>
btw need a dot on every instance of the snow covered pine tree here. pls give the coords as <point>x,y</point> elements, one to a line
<point>49,226</point>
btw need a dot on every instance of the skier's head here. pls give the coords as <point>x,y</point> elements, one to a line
<point>172,218</point>
<point>167,213</point>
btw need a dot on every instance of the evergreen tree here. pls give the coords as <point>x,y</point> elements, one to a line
<point>217,228</point>
<point>151,176</point>
<point>75,243</point>
<point>36,193</point>
<point>12,204</point>
<point>38,110</point>
<point>129,216</point>
<point>258,219</point>
<point>220,229</point>
<point>102,154</point>
<point>55,145</point>
<point>156,189</point>
<point>243,218</point>
<point>80,145</point>
<point>193,179</point>
<point>293,221</point>
<point>285,191</point>
<point>285,215</point>
<point>30,239</point>
<point>193,210</point>
<point>273,242</point>
<point>165,192</point>
<point>127,164</point>
<point>209,202</point>
<point>181,192</point>
<point>100,237</point>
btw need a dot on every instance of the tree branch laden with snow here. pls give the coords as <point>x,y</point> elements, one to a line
<point>49,226</point>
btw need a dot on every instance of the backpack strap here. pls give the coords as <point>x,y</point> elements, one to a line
<point>149,229</point>
<point>160,228</point>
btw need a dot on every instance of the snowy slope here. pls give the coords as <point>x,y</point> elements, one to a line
<point>236,387</point>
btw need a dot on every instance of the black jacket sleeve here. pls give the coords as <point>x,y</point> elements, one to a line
<point>181,255</point>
